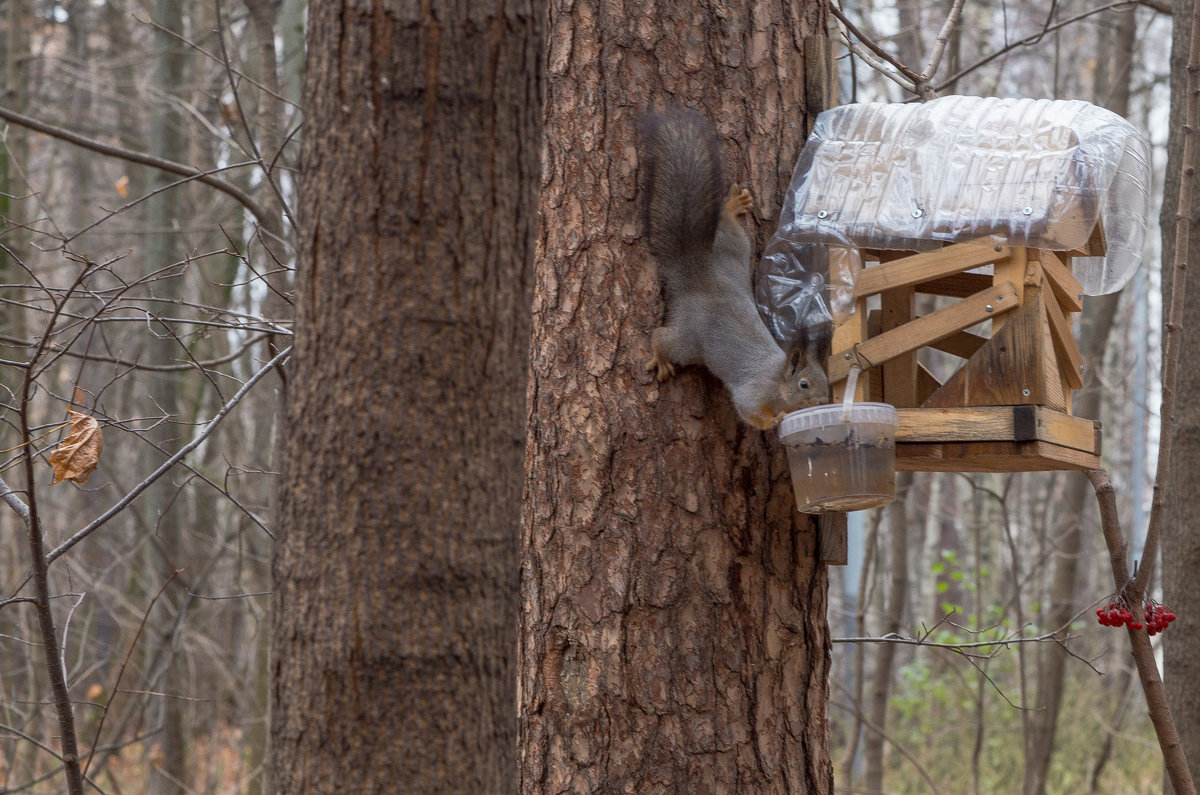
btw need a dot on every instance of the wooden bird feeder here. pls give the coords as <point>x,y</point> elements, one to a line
<point>1008,212</point>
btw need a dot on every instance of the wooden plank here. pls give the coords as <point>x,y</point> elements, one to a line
<point>899,375</point>
<point>1066,287</point>
<point>962,344</point>
<point>991,457</point>
<point>927,383</point>
<point>1013,271</point>
<point>1070,359</point>
<point>1007,370</point>
<point>997,423</point>
<point>924,330</point>
<point>833,548</point>
<point>1055,392</point>
<point>960,285</point>
<point>1096,245</point>
<point>852,332</point>
<point>930,265</point>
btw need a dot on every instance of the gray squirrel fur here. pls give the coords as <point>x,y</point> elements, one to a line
<point>703,257</point>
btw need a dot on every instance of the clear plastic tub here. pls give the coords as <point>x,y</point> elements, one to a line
<point>842,458</point>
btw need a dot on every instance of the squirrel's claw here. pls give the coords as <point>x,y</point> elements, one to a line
<point>739,201</point>
<point>660,366</point>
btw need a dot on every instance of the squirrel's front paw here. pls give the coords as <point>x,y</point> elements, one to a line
<point>738,202</point>
<point>661,367</point>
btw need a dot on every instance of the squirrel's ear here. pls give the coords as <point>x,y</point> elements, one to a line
<point>797,360</point>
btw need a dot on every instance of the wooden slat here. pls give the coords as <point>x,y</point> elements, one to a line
<point>1066,287</point>
<point>1070,359</point>
<point>832,543</point>
<point>900,374</point>
<point>928,266</point>
<point>991,457</point>
<point>927,383</point>
<point>852,332</point>
<point>1096,245</point>
<point>997,423</point>
<point>960,285</point>
<point>962,344</point>
<point>925,330</point>
<point>1008,369</point>
<point>1014,272</point>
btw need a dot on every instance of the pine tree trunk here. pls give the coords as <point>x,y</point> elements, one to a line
<point>673,634</point>
<point>394,602</point>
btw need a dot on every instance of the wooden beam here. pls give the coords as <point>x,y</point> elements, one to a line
<point>998,423</point>
<point>1063,283</point>
<point>832,542</point>
<point>930,265</point>
<point>924,330</point>
<point>959,285</point>
<point>1008,369</point>
<point>962,344</point>
<point>991,457</point>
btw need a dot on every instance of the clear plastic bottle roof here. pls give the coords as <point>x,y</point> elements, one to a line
<point>1040,173</point>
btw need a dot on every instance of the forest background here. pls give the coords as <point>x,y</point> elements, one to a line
<point>151,230</point>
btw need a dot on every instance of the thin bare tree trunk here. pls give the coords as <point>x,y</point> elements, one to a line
<point>893,617</point>
<point>1181,481</point>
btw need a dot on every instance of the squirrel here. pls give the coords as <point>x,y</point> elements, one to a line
<point>703,257</point>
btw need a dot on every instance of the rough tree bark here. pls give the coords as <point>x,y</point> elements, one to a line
<point>394,604</point>
<point>673,634</point>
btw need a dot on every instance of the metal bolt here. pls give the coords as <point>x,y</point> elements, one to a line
<point>988,308</point>
<point>1025,392</point>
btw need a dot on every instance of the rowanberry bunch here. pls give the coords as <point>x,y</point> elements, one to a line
<point>1152,616</point>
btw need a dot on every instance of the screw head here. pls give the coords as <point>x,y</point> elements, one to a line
<point>1025,393</point>
<point>988,308</point>
<point>917,213</point>
<point>823,214</point>
<point>1027,211</point>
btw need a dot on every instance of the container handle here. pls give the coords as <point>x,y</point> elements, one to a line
<point>848,397</point>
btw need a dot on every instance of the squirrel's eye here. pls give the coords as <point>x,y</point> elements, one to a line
<point>804,383</point>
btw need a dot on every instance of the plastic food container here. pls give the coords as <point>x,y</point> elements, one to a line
<point>842,457</point>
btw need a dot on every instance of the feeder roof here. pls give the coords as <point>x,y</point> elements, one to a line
<point>1039,173</point>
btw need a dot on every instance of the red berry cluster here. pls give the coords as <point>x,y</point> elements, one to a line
<point>1153,616</point>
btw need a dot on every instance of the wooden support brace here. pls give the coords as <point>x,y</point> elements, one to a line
<point>962,344</point>
<point>925,330</point>
<point>1063,284</point>
<point>1070,360</point>
<point>959,285</point>
<point>928,266</point>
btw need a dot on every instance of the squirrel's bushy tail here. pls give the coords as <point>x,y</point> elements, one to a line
<point>681,160</point>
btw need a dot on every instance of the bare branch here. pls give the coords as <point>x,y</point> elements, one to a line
<point>122,153</point>
<point>1030,40</point>
<point>96,523</point>
<point>939,45</point>
<point>14,502</point>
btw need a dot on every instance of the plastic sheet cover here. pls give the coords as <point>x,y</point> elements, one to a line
<point>1039,173</point>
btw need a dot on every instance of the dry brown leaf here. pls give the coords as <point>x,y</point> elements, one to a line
<point>77,456</point>
<point>122,186</point>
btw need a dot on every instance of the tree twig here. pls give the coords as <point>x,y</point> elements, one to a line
<point>162,164</point>
<point>129,497</point>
